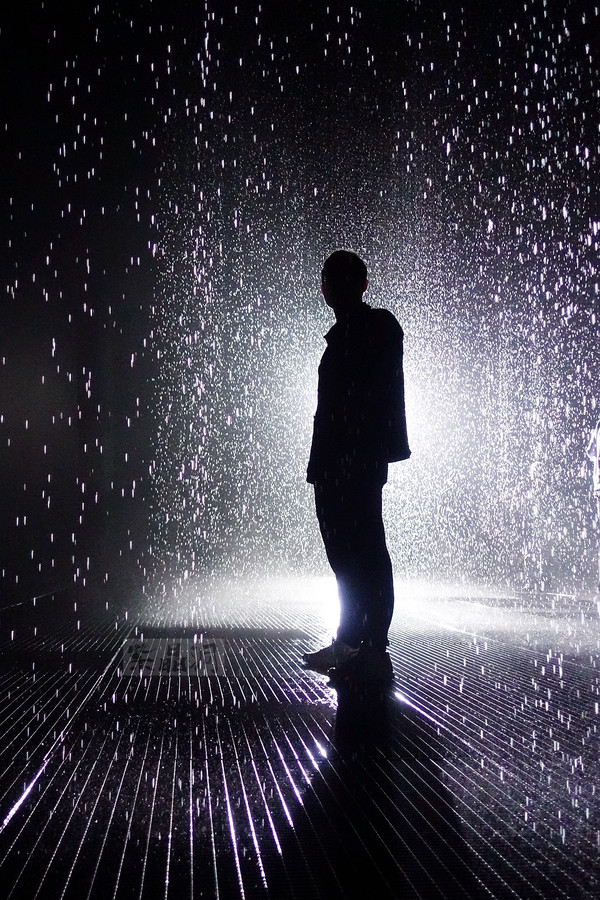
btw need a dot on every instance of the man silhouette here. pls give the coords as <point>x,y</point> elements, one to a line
<point>359,427</point>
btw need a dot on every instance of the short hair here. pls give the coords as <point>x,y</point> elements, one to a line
<point>343,267</point>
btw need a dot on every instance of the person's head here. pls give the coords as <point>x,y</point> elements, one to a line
<point>343,280</point>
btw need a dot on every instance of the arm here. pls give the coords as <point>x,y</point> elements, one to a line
<point>382,379</point>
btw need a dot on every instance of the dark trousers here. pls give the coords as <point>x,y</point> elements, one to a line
<point>351,524</point>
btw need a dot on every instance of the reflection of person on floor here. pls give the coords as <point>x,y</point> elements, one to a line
<point>359,427</point>
<point>593,452</point>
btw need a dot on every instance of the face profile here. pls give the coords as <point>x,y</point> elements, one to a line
<point>343,281</point>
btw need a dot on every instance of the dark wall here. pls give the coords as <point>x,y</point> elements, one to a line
<point>76,269</point>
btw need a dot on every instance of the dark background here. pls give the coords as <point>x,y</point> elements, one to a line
<point>173,176</point>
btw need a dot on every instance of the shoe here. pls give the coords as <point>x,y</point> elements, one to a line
<point>330,657</point>
<point>364,665</point>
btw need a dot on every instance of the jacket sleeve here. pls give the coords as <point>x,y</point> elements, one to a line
<point>382,377</point>
<point>397,437</point>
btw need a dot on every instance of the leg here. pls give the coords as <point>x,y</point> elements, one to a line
<point>334,516</point>
<point>351,524</point>
<point>372,567</point>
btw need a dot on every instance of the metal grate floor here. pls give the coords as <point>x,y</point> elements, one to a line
<point>178,749</point>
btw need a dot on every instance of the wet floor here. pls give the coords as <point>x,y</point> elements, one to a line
<point>176,748</point>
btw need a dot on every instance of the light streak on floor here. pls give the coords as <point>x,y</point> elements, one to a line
<point>215,766</point>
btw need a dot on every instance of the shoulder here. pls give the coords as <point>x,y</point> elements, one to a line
<point>385,322</point>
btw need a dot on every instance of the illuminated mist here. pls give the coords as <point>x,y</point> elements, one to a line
<point>198,166</point>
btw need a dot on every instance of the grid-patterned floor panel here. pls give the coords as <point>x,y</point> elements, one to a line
<point>176,748</point>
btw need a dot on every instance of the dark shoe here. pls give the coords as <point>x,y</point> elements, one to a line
<point>365,665</point>
<point>331,657</point>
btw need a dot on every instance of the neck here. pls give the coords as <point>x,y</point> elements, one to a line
<point>344,312</point>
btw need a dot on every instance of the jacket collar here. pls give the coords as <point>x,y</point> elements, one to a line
<point>347,322</point>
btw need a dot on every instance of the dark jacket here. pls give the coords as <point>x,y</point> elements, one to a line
<point>360,422</point>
